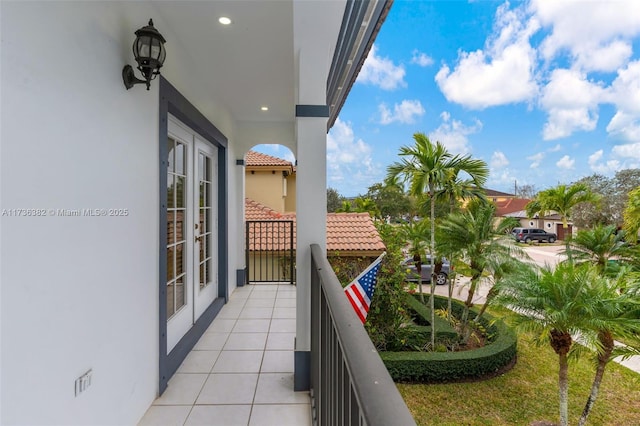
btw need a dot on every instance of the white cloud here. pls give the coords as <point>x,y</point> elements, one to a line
<point>566,162</point>
<point>405,112</point>
<point>556,148</point>
<point>381,72</point>
<point>603,168</point>
<point>596,34</point>
<point>536,159</point>
<point>421,58</point>
<point>625,94</point>
<point>571,101</point>
<point>453,133</point>
<point>498,160</point>
<point>500,74</point>
<point>631,150</point>
<point>349,164</point>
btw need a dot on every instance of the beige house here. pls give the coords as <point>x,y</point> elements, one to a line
<point>271,181</point>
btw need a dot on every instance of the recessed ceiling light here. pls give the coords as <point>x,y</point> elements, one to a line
<point>264,108</point>
<point>224,20</point>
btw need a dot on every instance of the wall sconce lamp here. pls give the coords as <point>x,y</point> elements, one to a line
<point>148,49</point>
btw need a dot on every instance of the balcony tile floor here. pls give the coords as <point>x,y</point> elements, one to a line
<point>241,371</point>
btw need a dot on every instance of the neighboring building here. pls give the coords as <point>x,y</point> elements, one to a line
<point>348,235</point>
<point>270,181</point>
<point>123,210</point>
<point>516,207</point>
<point>497,196</point>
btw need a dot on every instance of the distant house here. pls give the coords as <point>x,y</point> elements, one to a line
<point>270,181</point>
<point>516,207</point>
<point>497,196</point>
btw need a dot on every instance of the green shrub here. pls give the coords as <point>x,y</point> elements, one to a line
<point>433,367</point>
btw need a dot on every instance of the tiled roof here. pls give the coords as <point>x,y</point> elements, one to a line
<point>511,205</point>
<point>346,232</point>
<point>494,193</point>
<point>259,159</point>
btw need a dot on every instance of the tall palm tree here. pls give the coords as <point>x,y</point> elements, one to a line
<point>613,318</point>
<point>561,199</point>
<point>553,304</point>
<point>428,168</point>
<point>599,245</point>
<point>416,234</point>
<point>485,245</point>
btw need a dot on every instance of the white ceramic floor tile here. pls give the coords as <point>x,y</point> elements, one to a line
<point>281,415</point>
<point>252,326</point>
<point>221,325</point>
<point>277,362</point>
<point>277,388</point>
<point>286,295</point>
<point>282,326</point>
<point>211,342</point>
<point>170,415</point>
<point>238,362</point>
<point>246,341</point>
<point>263,295</point>
<point>284,313</point>
<point>228,389</point>
<point>199,362</point>
<point>255,313</point>
<point>223,415</point>
<point>287,302</point>
<point>230,312</point>
<point>183,389</point>
<point>259,303</point>
<point>281,341</point>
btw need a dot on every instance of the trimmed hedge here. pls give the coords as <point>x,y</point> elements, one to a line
<point>435,367</point>
<point>443,328</point>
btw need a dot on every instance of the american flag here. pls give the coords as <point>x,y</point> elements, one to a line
<point>360,291</point>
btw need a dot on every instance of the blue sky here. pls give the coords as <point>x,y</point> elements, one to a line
<point>545,92</point>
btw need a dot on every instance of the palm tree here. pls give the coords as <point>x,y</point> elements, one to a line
<point>553,304</point>
<point>561,199</point>
<point>632,214</point>
<point>612,314</point>
<point>416,234</point>
<point>428,168</point>
<point>599,245</point>
<point>485,245</point>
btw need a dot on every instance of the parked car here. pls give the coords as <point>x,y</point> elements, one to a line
<point>412,275</point>
<point>529,235</point>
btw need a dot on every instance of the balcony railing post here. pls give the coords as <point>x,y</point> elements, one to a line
<point>350,384</point>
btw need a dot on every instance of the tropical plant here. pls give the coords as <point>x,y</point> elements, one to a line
<point>416,234</point>
<point>632,214</point>
<point>599,246</point>
<point>561,199</point>
<point>388,317</point>
<point>554,305</point>
<point>428,168</point>
<point>484,244</point>
<point>612,317</point>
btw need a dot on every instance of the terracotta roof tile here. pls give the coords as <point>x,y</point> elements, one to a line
<point>346,232</point>
<point>511,205</point>
<point>259,159</point>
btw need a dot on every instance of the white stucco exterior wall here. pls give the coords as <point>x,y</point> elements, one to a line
<point>80,293</point>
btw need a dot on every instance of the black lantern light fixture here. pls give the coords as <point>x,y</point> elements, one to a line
<point>148,49</point>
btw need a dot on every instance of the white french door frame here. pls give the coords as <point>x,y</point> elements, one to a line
<point>172,103</point>
<point>196,296</point>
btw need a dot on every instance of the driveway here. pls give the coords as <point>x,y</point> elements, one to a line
<point>546,253</point>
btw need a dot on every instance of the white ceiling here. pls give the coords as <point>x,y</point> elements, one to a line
<point>254,55</point>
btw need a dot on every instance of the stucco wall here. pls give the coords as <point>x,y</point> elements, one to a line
<point>81,292</point>
<point>266,188</point>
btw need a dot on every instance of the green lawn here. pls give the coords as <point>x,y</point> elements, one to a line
<point>527,393</point>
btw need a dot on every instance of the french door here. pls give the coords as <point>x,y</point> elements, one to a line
<point>192,270</point>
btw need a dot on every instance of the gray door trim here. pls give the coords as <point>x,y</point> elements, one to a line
<point>172,102</point>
